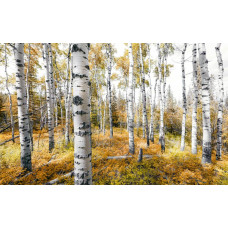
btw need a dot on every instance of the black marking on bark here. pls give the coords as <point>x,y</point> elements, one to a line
<point>87,67</point>
<point>80,113</point>
<point>79,75</point>
<point>77,100</point>
<point>84,126</point>
<point>75,48</point>
<point>20,65</point>
<point>82,133</point>
<point>89,83</point>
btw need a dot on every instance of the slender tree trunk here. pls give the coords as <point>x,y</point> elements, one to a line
<point>130,102</point>
<point>67,99</point>
<point>206,154</point>
<point>49,99</point>
<point>98,101</point>
<point>10,98</point>
<point>161,129</point>
<point>195,101</point>
<point>81,113</point>
<point>22,108</point>
<point>110,91</point>
<point>184,99</point>
<point>152,113</point>
<point>220,104</point>
<point>145,122</point>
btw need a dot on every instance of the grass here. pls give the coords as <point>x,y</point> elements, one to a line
<point>171,168</point>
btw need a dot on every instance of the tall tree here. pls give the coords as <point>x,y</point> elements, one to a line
<point>161,128</point>
<point>195,100</point>
<point>130,103</point>
<point>49,98</point>
<point>203,62</point>
<point>145,122</point>
<point>22,108</point>
<point>109,54</point>
<point>81,113</point>
<point>220,103</point>
<point>68,97</point>
<point>184,102</point>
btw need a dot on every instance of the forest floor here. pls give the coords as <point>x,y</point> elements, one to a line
<point>172,167</point>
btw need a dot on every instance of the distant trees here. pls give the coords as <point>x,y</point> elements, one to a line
<point>81,113</point>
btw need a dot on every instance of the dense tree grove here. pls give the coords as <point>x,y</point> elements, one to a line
<point>108,107</point>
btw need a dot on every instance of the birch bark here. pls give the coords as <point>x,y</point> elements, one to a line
<point>206,153</point>
<point>183,98</point>
<point>145,122</point>
<point>81,113</point>
<point>130,102</point>
<point>49,98</point>
<point>220,104</point>
<point>161,129</point>
<point>195,100</point>
<point>22,108</point>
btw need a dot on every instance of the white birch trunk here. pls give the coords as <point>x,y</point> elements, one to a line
<point>206,153</point>
<point>110,90</point>
<point>22,108</point>
<point>81,113</point>
<point>220,104</point>
<point>145,122</point>
<point>152,113</point>
<point>183,98</point>
<point>161,129</point>
<point>68,98</point>
<point>49,99</point>
<point>130,102</point>
<point>195,100</point>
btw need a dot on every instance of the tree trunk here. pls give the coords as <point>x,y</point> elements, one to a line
<point>152,114</point>
<point>184,99</point>
<point>145,122</point>
<point>109,90</point>
<point>130,102</point>
<point>206,154</point>
<point>220,104</point>
<point>68,98</point>
<point>49,99</point>
<point>81,113</point>
<point>161,129</point>
<point>10,98</point>
<point>22,108</point>
<point>195,101</point>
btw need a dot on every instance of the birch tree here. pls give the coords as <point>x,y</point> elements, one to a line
<point>109,53</point>
<point>184,102</point>
<point>195,100</point>
<point>160,97</point>
<point>68,98</point>
<point>22,108</point>
<point>145,122</point>
<point>220,103</point>
<point>49,98</point>
<point>81,115</point>
<point>203,62</point>
<point>130,102</point>
<point>9,94</point>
